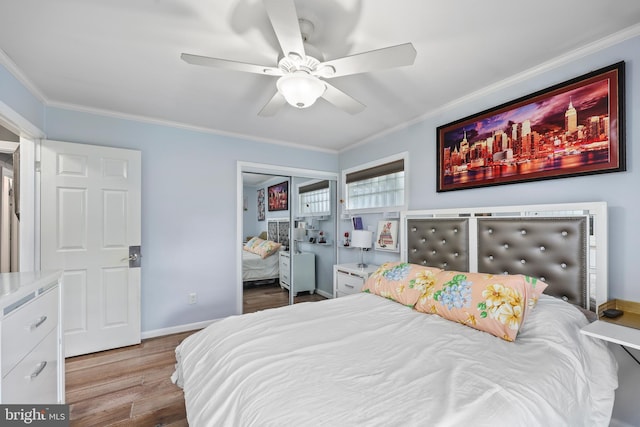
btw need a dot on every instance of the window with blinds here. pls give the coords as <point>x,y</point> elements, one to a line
<point>380,186</point>
<point>315,198</point>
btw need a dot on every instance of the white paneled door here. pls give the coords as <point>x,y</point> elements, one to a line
<point>90,217</point>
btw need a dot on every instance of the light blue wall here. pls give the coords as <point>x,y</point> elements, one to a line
<point>250,216</point>
<point>619,190</point>
<point>188,208</point>
<point>20,100</point>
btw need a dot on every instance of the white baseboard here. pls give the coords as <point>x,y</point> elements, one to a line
<point>176,329</point>
<point>198,325</point>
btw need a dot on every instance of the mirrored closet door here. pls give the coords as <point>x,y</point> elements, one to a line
<point>296,234</point>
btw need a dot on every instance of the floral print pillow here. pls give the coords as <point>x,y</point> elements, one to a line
<point>252,244</point>
<point>266,248</point>
<point>497,304</point>
<point>401,282</point>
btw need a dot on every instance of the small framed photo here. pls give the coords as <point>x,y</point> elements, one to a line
<point>387,236</point>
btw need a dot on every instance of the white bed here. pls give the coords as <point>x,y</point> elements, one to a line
<point>255,268</point>
<point>366,360</point>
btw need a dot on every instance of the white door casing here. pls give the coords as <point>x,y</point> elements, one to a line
<point>90,215</point>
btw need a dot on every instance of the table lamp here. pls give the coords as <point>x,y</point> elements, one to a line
<point>298,236</point>
<point>361,239</point>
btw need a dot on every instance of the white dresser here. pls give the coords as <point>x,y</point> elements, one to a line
<point>303,273</point>
<point>349,278</point>
<point>31,342</point>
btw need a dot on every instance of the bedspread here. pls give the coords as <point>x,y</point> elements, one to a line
<point>363,360</point>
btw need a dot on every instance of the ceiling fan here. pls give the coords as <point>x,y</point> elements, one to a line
<point>301,68</point>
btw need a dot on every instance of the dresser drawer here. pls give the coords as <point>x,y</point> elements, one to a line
<point>285,262</point>
<point>284,276</point>
<point>25,327</point>
<point>285,271</point>
<point>34,379</point>
<point>349,284</point>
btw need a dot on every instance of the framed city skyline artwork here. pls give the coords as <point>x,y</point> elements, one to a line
<point>570,129</point>
<point>278,197</point>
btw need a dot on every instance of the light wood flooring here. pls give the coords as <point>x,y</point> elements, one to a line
<point>131,386</point>
<point>260,297</point>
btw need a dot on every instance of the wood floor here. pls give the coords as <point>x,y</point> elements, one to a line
<point>131,386</point>
<point>260,297</point>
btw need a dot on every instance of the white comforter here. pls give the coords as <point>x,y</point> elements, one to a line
<point>366,361</point>
<point>254,267</point>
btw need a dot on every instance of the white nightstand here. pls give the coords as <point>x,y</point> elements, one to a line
<point>349,278</point>
<point>303,273</point>
<point>623,335</point>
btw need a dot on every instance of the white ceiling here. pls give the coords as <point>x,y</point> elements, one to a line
<point>123,57</point>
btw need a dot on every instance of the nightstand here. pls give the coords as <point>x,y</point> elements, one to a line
<point>303,273</point>
<point>623,335</point>
<point>349,278</point>
<point>623,330</point>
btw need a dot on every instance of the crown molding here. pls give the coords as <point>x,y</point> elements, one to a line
<point>11,66</point>
<point>581,52</point>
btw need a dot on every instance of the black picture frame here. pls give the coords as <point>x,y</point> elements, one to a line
<point>278,197</point>
<point>570,129</point>
<point>261,215</point>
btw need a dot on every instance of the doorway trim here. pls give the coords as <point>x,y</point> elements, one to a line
<point>29,225</point>
<point>270,170</point>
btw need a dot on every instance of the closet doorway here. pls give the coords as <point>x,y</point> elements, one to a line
<point>18,141</point>
<point>268,208</point>
<point>9,201</point>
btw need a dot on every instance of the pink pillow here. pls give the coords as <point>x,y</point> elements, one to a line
<point>497,304</point>
<point>401,282</point>
<point>252,244</point>
<point>266,248</point>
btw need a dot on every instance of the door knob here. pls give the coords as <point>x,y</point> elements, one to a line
<point>134,257</point>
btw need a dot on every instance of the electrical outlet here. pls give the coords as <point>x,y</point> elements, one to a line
<point>193,298</point>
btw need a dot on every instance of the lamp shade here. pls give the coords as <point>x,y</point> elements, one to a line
<point>299,233</point>
<point>362,239</point>
<point>300,89</point>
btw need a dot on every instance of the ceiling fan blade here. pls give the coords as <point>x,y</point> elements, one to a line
<point>230,65</point>
<point>387,57</point>
<point>342,100</point>
<point>273,106</point>
<point>284,20</point>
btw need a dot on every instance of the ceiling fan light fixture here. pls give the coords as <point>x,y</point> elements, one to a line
<point>300,89</point>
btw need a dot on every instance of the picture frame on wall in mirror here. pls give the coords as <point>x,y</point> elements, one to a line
<point>261,214</point>
<point>278,196</point>
<point>573,128</point>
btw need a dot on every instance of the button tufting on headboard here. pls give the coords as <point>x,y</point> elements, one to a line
<point>551,248</point>
<point>439,242</point>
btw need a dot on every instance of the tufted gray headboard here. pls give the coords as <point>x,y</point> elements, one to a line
<point>563,245</point>
<point>278,230</point>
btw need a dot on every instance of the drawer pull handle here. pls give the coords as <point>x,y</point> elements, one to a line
<point>38,370</point>
<point>38,322</point>
<point>349,286</point>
